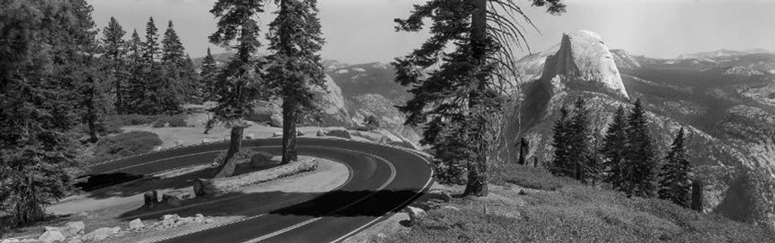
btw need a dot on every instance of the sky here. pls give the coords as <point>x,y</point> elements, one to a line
<point>362,31</point>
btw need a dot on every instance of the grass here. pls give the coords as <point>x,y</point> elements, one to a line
<point>123,145</point>
<point>561,210</point>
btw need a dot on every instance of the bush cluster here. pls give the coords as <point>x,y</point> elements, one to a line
<point>125,144</point>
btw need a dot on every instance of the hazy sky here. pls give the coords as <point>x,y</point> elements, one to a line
<point>359,31</point>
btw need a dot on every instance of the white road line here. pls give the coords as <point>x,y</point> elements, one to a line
<point>292,227</point>
<point>369,224</point>
<point>349,178</point>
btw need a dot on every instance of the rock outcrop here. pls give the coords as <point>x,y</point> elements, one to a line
<point>584,56</point>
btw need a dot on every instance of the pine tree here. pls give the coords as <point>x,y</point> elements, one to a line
<point>239,84</point>
<point>614,150</point>
<point>294,67</point>
<point>36,81</point>
<point>466,88</point>
<point>115,52</point>
<point>640,155</point>
<point>580,137</point>
<point>172,49</point>
<point>151,47</point>
<point>208,77</point>
<point>674,182</point>
<point>135,91</point>
<point>561,144</point>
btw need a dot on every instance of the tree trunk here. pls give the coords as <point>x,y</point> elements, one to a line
<point>697,195</point>
<point>477,169</point>
<point>289,130</point>
<point>119,98</point>
<point>226,168</point>
<point>91,116</point>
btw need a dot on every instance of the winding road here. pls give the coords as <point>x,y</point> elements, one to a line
<point>382,181</point>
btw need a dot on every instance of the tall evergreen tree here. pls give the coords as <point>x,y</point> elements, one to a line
<point>36,80</point>
<point>674,180</point>
<point>151,47</point>
<point>172,49</point>
<point>561,143</point>
<point>208,77</point>
<point>115,52</point>
<point>614,150</point>
<point>640,155</point>
<point>466,88</point>
<point>239,84</point>
<point>135,90</point>
<point>580,136</point>
<point>294,67</point>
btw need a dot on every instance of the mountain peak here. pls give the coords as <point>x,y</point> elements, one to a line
<point>584,56</point>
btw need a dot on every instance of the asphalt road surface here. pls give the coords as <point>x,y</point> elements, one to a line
<point>382,181</point>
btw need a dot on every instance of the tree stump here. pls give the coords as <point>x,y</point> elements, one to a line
<point>151,199</point>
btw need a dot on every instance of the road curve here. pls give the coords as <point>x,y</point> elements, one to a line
<point>382,180</point>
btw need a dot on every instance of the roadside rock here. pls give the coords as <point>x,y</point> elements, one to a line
<point>52,236</point>
<point>74,228</point>
<point>101,234</point>
<point>136,224</point>
<point>199,218</point>
<point>276,120</point>
<point>414,214</point>
<point>321,133</point>
<point>299,133</point>
<point>340,133</point>
<point>169,220</point>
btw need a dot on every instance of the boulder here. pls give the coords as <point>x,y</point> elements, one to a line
<point>169,220</point>
<point>276,120</point>
<point>414,214</point>
<point>172,201</point>
<point>52,236</point>
<point>299,133</point>
<point>206,187</point>
<point>101,234</point>
<point>199,218</point>
<point>321,133</point>
<point>136,224</point>
<point>73,228</point>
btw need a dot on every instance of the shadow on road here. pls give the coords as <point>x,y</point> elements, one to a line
<point>337,203</point>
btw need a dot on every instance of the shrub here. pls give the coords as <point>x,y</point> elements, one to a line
<point>530,177</point>
<point>125,144</point>
<point>339,133</point>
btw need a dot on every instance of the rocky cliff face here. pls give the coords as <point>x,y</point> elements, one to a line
<point>728,113</point>
<point>584,56</point>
